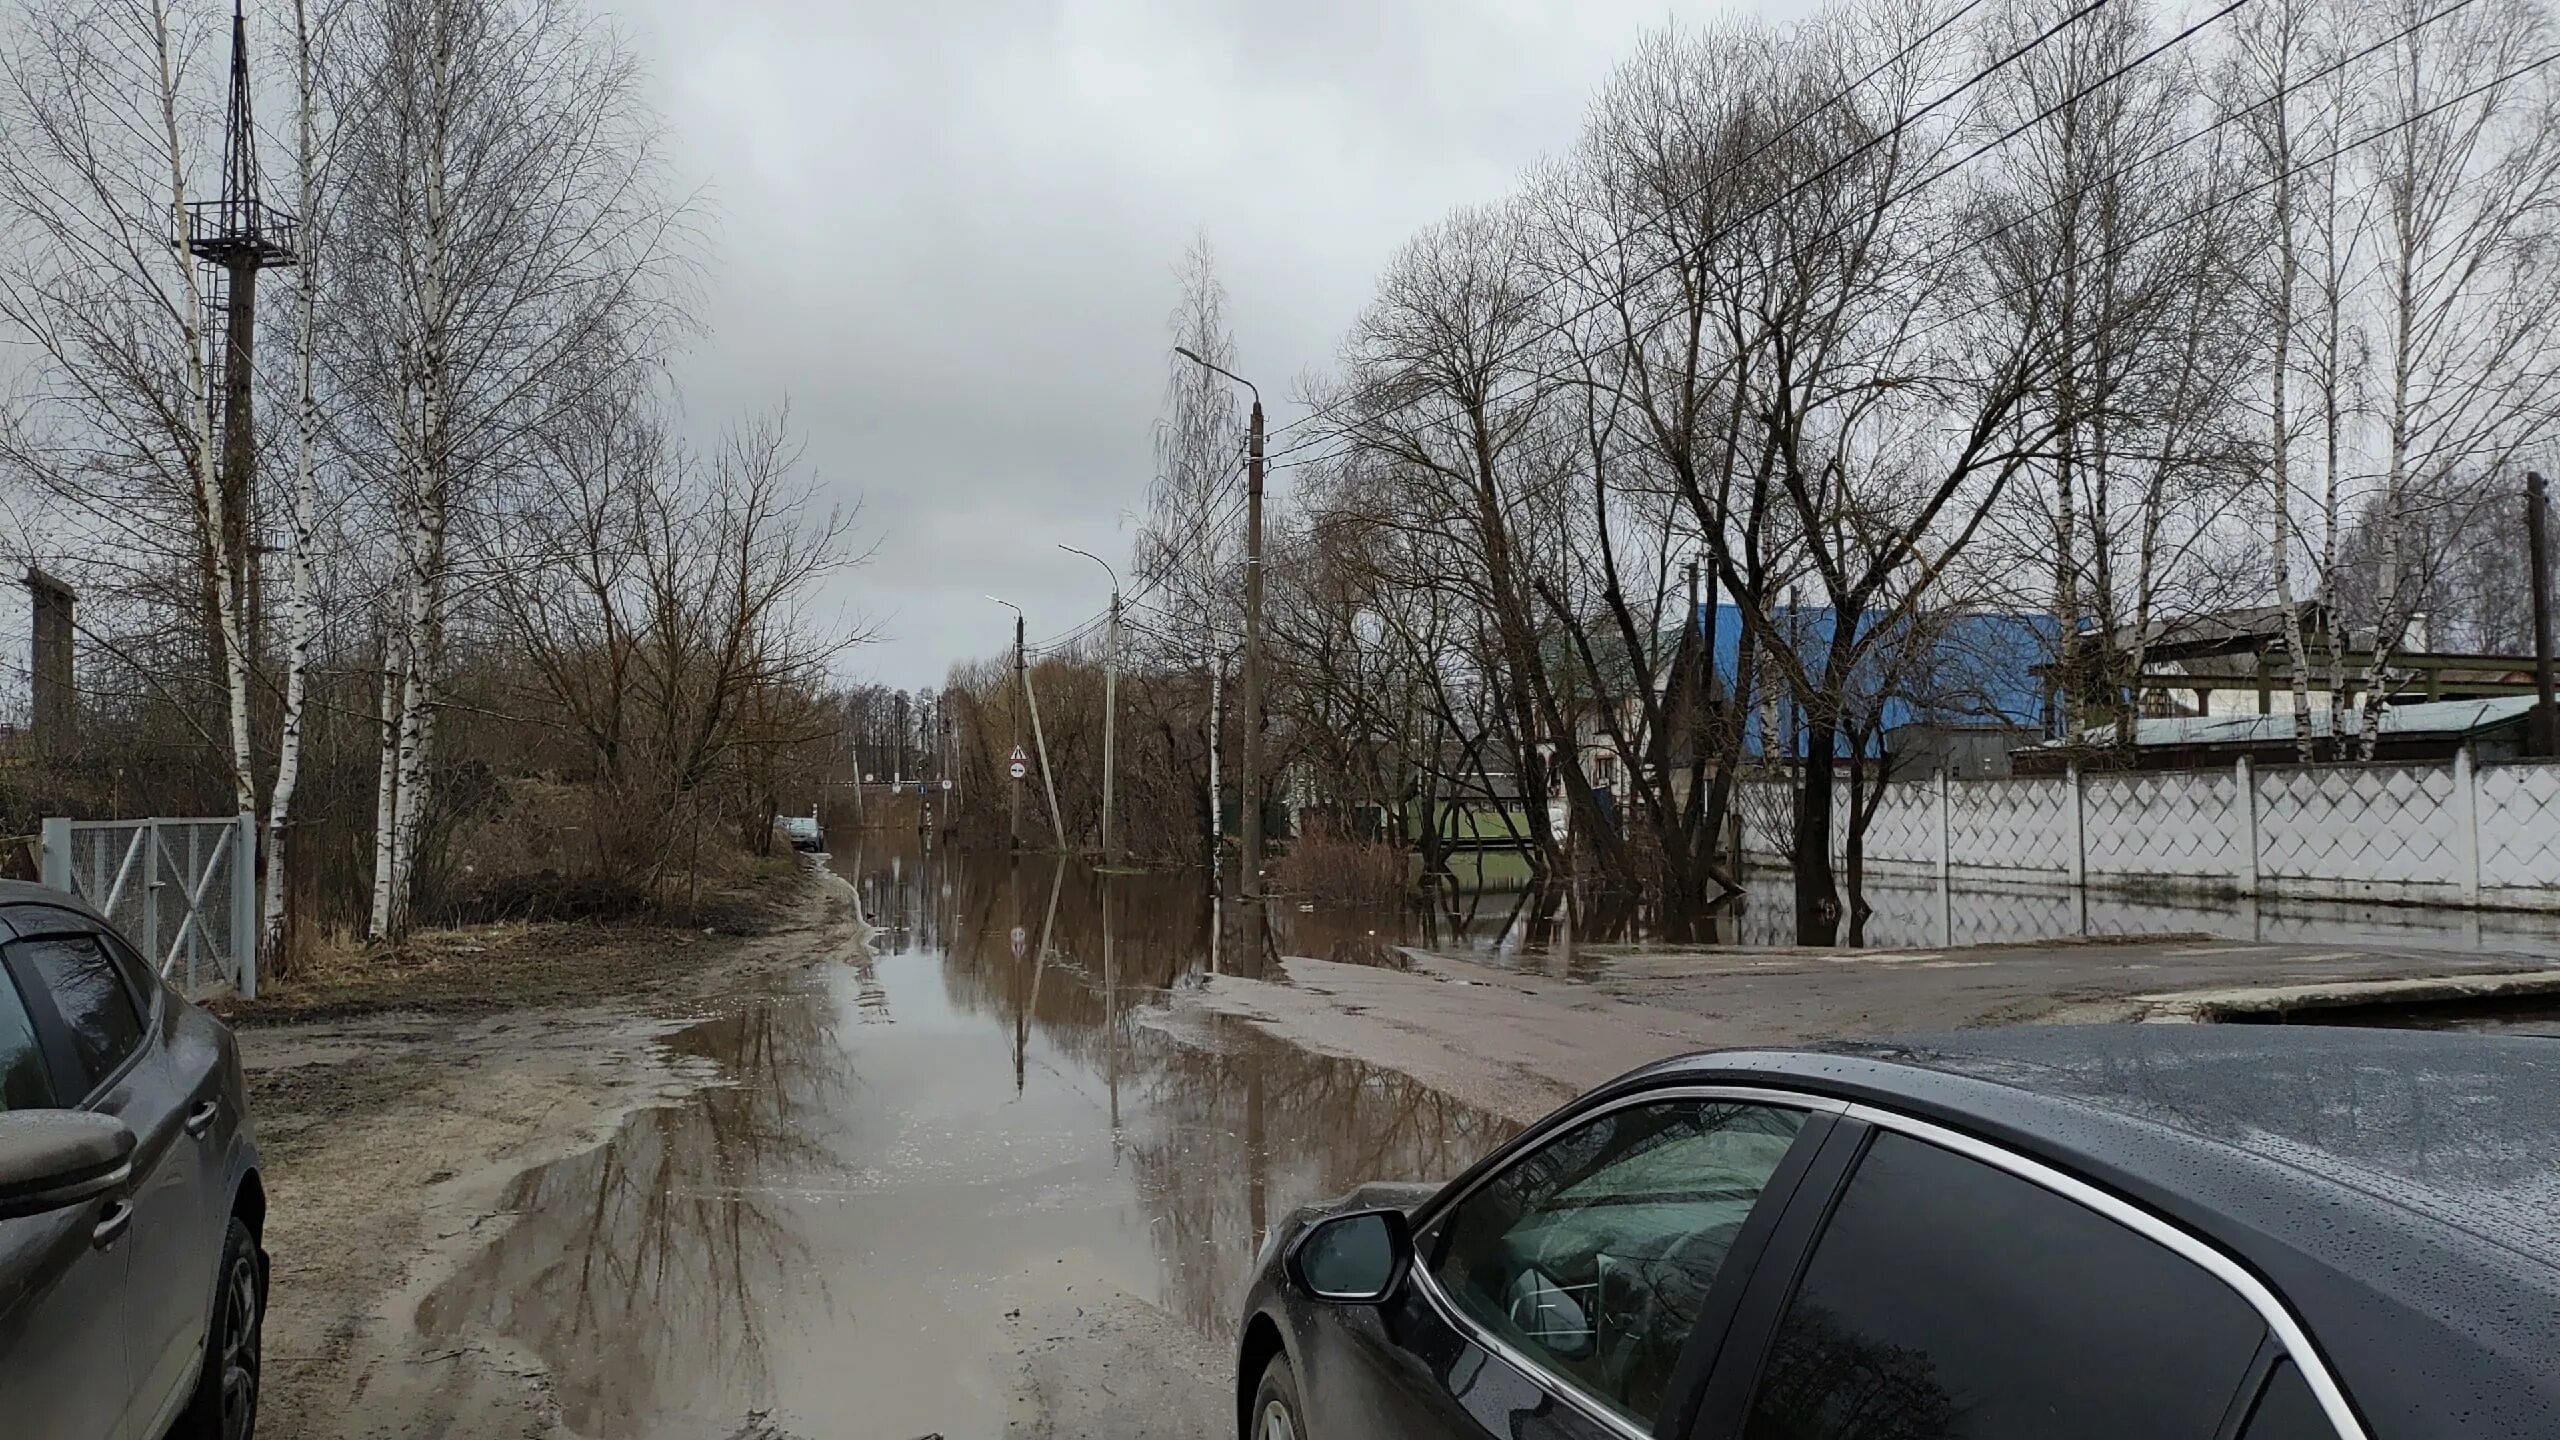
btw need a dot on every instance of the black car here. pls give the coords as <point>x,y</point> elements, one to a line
<point>2121,1233</point>
<point>132,1282</point>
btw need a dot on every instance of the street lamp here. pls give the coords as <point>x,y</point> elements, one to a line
<point>1110,696</point>
<point>1248,795</point>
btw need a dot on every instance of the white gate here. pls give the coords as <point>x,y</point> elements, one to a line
<point>184,891</point>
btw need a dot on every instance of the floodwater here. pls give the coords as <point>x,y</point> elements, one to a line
<point>926,1152</point>
<point>1920,913</point>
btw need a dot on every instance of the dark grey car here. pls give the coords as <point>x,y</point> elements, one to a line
<point>132,1282</point>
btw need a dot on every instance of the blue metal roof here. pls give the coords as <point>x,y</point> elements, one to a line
<point>1972,669</point>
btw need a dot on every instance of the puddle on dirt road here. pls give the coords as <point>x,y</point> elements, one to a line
<point>917,1140</point>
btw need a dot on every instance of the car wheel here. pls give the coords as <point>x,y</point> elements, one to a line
<point>1277,1412</point>
<point>225,1405</point>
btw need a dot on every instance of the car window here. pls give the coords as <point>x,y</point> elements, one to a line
<point>137,972</point>
<point>24,1083</point>
<point>1593,1253</point>
<point>1947,1298</point>
<point>92,997</point>
<point>2287,1410</point>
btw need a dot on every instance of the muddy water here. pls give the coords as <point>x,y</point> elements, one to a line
<point>983,1147</point>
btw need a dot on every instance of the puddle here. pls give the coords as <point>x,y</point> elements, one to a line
<point>918,1147</point>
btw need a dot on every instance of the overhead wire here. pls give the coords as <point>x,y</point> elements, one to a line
<point>1736,166</point>
<point>2188,217</point>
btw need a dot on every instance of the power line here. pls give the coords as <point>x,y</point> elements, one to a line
<point>1889,133</point>
<point>1939,261</point>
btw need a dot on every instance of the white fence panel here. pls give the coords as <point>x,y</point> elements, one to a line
<point>2406,834</point>
<point>2519,819</point>
<point>2168,824</point>
<point>184,891</point>
<point>2349,830</point>
<point>2017,826</point>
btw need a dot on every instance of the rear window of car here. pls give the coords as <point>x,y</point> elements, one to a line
<point>1947,1297</point>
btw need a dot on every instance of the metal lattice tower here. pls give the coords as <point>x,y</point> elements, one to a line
<point>235,236</point>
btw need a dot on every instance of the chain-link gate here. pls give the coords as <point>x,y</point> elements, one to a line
<point>184,891</point>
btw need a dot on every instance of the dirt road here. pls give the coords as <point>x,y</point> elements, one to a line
<point>391,1139</point>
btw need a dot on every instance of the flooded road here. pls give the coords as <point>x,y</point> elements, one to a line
<point>967,1183</point>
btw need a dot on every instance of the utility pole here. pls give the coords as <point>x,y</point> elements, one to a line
<point>1248,784</point>
<point>1110,737</point>
<point>2537,525</point>
<point>1021,686</point>
<point>1110,698</point>
<point>1252,778</point>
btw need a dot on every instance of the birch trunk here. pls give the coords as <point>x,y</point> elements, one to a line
<point>302,618</point>
<point>386,790</point>
<point>2280,436</point>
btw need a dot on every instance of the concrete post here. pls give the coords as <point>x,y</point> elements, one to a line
<point>2466,824</point>
<point>2079,827</point>
<point>55,860</point>
<point>1945,858</point>
<point>245,929</point>
<point>2244,808</point>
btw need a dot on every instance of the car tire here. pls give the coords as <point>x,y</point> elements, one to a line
<point>225,1404</point>
<point>1277,1413</point>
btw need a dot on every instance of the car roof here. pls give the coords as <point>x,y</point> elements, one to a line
<point>25,892</point>
<point>2400,1188</point>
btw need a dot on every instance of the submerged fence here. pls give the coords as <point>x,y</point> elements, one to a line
<point>184,891</point>
<point>2458,834</point>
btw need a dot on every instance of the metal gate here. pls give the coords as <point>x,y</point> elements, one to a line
<point>185,892</point>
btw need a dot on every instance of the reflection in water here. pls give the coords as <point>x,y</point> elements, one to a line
<point>924,1137</point>
<point>634,1268</point>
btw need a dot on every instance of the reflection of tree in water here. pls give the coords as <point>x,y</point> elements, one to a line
<point>634,1268</point>
<point>1824,1383</point>
<point>1228,1141</point>
<point>1220,1141</point>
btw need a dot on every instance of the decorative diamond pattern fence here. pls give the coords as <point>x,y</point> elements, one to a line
<point>2170,824</point>
<point>2519,820</point>
<point>2405,834</point>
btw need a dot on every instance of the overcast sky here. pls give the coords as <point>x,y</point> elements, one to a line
<point>947,232</point>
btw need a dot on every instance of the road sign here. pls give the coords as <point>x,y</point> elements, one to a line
<point>946,784</point>
<point>1020,755</point>
<point>1019,769</point>
<point>1021,942</point>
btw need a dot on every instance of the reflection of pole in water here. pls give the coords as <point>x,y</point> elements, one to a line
<point>1013,967</point>
<point>1257,1175</point>
<point>1039,967</point>
<point>1110,1015</point>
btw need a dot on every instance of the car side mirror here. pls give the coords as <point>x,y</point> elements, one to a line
<point>1354,1259</point>
<point>52,1159</point>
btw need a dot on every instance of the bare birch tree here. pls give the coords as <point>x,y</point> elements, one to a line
<point>503,218</point>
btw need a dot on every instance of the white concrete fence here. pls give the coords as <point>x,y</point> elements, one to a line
<point>2458,834</point>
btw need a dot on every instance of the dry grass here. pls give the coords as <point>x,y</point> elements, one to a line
<point>1333,869</point>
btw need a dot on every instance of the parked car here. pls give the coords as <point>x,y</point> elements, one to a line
<point>2118,1233</point>
<point>132,1282</point>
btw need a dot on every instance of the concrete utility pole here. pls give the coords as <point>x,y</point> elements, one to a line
<point>1021,686</point>
<point>1039,740</point>
<point>1110,697</point>
<point>2537,525</point>
<point>1248,784</point>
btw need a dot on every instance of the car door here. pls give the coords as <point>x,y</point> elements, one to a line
<point>1559,1295</point>
<point>1946,1296</point>
<point>63,1364</point>
<point>127,1073</point>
